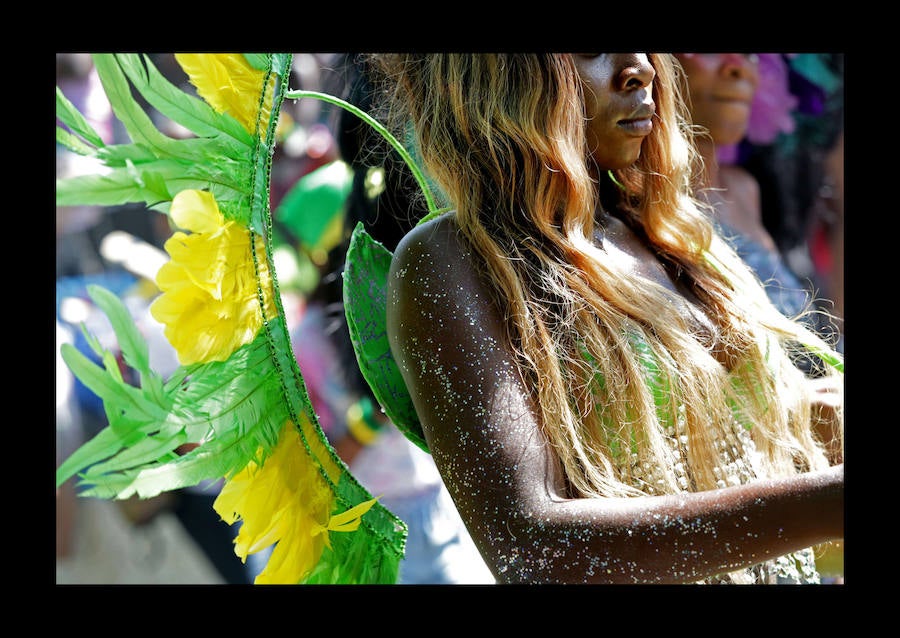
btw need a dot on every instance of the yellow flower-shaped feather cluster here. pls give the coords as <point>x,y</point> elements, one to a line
<point>285,503</point>
<point>230,85</point>
<point>210,302</point>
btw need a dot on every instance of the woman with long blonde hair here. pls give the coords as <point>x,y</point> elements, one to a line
<point>606,390</point>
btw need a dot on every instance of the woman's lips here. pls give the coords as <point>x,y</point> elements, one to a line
<point>637,126</point>
<point>639,122</point>
<point>733,100</point>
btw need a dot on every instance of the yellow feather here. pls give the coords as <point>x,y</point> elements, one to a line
<point>286,494</point>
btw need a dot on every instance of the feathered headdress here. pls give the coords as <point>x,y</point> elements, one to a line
<point>238,396</point>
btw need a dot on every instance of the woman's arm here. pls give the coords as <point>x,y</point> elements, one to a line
<point>484,433</point>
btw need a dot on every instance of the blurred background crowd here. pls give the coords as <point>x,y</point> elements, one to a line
<point>329,172</point>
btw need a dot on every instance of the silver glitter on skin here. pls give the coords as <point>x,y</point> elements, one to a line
<point>484,434</point>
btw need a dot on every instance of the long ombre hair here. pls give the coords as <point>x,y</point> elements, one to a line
<point>617,371</point>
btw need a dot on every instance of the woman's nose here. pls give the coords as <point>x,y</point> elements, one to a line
<point>739,64</point>
<point>637,73</point>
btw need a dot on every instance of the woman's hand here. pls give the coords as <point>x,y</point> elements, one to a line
<point>826,397</point>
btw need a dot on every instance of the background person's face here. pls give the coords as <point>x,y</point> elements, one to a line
<point>721,89</point>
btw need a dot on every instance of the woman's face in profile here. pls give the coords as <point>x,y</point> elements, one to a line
<point>721,88</point>
<point>619,107</point>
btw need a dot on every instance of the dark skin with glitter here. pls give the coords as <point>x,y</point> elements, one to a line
<point>484,430</point>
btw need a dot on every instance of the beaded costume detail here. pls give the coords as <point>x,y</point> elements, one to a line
<point>738,464</point>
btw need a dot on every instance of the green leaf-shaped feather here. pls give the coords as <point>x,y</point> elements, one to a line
<point>71,117</point>
<point>365,304</point>
<point>73,143</point>
<point>233,409</point>
<point>192,113</point>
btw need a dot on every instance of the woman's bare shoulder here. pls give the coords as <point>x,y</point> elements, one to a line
<point>739,181</point>
<point>434,271</point>
<point>433,251</point>
<point>438,234</point>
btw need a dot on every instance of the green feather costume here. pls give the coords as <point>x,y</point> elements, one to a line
<point>238,398</point>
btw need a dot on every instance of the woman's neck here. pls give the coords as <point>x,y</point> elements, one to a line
<point>711,176</point>
<point>729,193</point>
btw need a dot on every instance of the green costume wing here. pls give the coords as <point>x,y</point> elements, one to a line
<point>238,395</point>
<point>365,305</point>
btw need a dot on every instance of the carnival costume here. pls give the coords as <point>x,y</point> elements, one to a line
<point>238,396</point>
